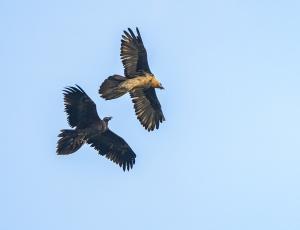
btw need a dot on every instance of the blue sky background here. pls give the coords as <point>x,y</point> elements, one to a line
<point>226,158</point>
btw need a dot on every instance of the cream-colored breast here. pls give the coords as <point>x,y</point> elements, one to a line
<point>138,82</point>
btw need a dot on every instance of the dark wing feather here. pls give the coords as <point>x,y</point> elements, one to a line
<point>80,108</point>
<point>133,54</point>
<point>147,108</point>
<point>114,148</point>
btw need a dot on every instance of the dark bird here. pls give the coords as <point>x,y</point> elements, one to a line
<point>89,128</point>
<point>138,81</point>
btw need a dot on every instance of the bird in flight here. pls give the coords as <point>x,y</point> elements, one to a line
<point>89,128</point>
<point>139,81</point>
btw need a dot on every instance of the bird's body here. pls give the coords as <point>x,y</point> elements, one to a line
<point>144,81</point>
<point>139,82</point>
<point>90,129</point>
<point>95,129</point>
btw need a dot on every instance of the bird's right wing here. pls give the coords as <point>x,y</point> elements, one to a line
<point>114,148</point>
<point>147,108</point>
<point>133,54</point>
<point>80,108</point>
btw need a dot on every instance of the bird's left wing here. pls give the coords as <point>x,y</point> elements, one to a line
<point>114,148</point>
<point>133,54</point>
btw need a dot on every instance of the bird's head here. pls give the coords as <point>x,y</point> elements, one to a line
<point>155,83</point>
<point>107,119</point>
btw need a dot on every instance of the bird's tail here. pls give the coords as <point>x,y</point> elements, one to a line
<point>70,141</point>
<point>112,88</point>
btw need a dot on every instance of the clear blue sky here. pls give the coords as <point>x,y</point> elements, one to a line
<point>228,155</point>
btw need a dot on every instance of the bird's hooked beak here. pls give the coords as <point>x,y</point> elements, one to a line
<point>109,118</point>
<point>160,86</point>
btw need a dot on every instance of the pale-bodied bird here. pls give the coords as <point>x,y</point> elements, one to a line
<point>139,82</point>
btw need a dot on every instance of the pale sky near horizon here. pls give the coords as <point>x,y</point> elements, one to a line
<point>228,155</point>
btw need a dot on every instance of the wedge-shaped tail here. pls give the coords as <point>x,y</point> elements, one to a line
<point>112,88</point>
<point>70,141</point>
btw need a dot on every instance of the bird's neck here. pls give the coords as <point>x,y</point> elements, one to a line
<point>104,126</point>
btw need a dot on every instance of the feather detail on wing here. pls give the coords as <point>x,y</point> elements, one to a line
<point>114,148</point>
<point>80,108</point>
<point>147,108</point>
<point>133,54</point>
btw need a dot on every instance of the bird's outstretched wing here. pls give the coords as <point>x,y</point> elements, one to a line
<point>114,148</point>
<point>133,54</point>
<point>147,108</point>
<point>80,108</point>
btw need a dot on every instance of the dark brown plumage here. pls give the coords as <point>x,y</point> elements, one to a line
<point>138,81</point>
<point>89,128</point>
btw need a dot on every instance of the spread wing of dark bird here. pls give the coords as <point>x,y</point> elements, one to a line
<point>114,148</point>
<point>82,114</point>
<point>133,54</point>
<point>147,108</point>
<point>134,59</point>
<point>81,110</point>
